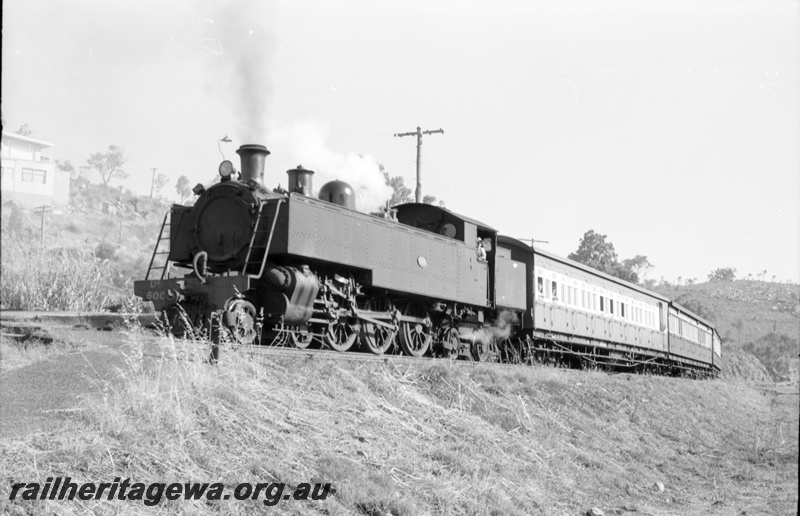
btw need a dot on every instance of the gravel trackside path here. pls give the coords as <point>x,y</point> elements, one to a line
<point>36,397</point>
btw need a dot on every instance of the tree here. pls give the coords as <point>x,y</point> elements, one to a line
<point>621,271</point>
<point>184,188</point>
<point>722,274</point>
<point>400,192</point>
<point>66,166</point>
<point>159,182</point>
<point>639,265</point>
<point>429,199</point>
<point>24,130</point>
<point>595,252</point>
<point>109,164</point>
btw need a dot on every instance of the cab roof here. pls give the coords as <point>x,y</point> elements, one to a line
<point>434,219</point>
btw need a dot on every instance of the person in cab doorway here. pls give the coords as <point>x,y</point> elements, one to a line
<point>481,251</point>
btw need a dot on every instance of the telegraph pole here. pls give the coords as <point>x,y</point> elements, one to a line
<point>153,182</point>
<point>418,133</point>
<point>42,209</point>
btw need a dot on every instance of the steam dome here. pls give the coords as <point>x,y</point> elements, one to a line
<point>338,192</point>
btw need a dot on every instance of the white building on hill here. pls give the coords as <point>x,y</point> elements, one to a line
<point>29,176</point>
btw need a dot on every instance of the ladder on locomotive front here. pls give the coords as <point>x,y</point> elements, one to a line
<point>161,253</point>
<point>253,260</point>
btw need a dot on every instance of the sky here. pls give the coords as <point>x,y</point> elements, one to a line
<point>671,127</point>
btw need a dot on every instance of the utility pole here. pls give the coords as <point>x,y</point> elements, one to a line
<point>152,182</point>
<point>418,133</point>
<point>42,209</point>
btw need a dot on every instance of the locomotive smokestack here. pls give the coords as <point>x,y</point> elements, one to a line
<point>253,156</point>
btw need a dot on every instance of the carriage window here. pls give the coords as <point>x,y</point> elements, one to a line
<point>555,291</point>
<point>602,308</point>
<point>611,306</point>
<point>540,286</point>
<point>622,310</point>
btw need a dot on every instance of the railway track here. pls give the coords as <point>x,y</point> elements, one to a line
<point>353,356</point>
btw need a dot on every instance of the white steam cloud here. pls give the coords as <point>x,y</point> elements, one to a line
<point>497,331</point>
<point>305,143</point>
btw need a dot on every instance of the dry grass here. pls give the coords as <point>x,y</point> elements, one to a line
<point>421,439</point>
<point>34,278</point>
<point>65,274</point>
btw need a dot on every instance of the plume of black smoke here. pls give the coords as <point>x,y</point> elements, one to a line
<point>243,55</point>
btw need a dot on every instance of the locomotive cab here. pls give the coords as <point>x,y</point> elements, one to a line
<point>446,223</point>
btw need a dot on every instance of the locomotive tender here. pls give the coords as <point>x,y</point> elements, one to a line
<point>280,266</point>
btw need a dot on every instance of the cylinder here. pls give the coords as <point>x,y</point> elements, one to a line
<point>289,293</point>
<point>253,156</point>
<point>300,181</point>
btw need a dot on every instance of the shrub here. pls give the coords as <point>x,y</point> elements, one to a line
<point>105,250</point>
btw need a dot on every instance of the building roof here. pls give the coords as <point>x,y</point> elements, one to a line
<point>28,139</point>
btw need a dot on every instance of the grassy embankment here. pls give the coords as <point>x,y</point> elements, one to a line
<point>421,439</point>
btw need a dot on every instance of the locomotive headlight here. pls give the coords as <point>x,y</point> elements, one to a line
<point>225,170</point>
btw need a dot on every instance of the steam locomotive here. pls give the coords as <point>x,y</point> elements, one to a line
<point>284,267</point>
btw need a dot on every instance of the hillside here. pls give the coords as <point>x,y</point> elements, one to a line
<point>101,242</point>
<point>754,319</point>
<point>415,439</point>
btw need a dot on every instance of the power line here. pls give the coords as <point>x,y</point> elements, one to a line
<point>418,133</point>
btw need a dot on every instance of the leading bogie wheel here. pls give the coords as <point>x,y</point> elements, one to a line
<point>240,318</point>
